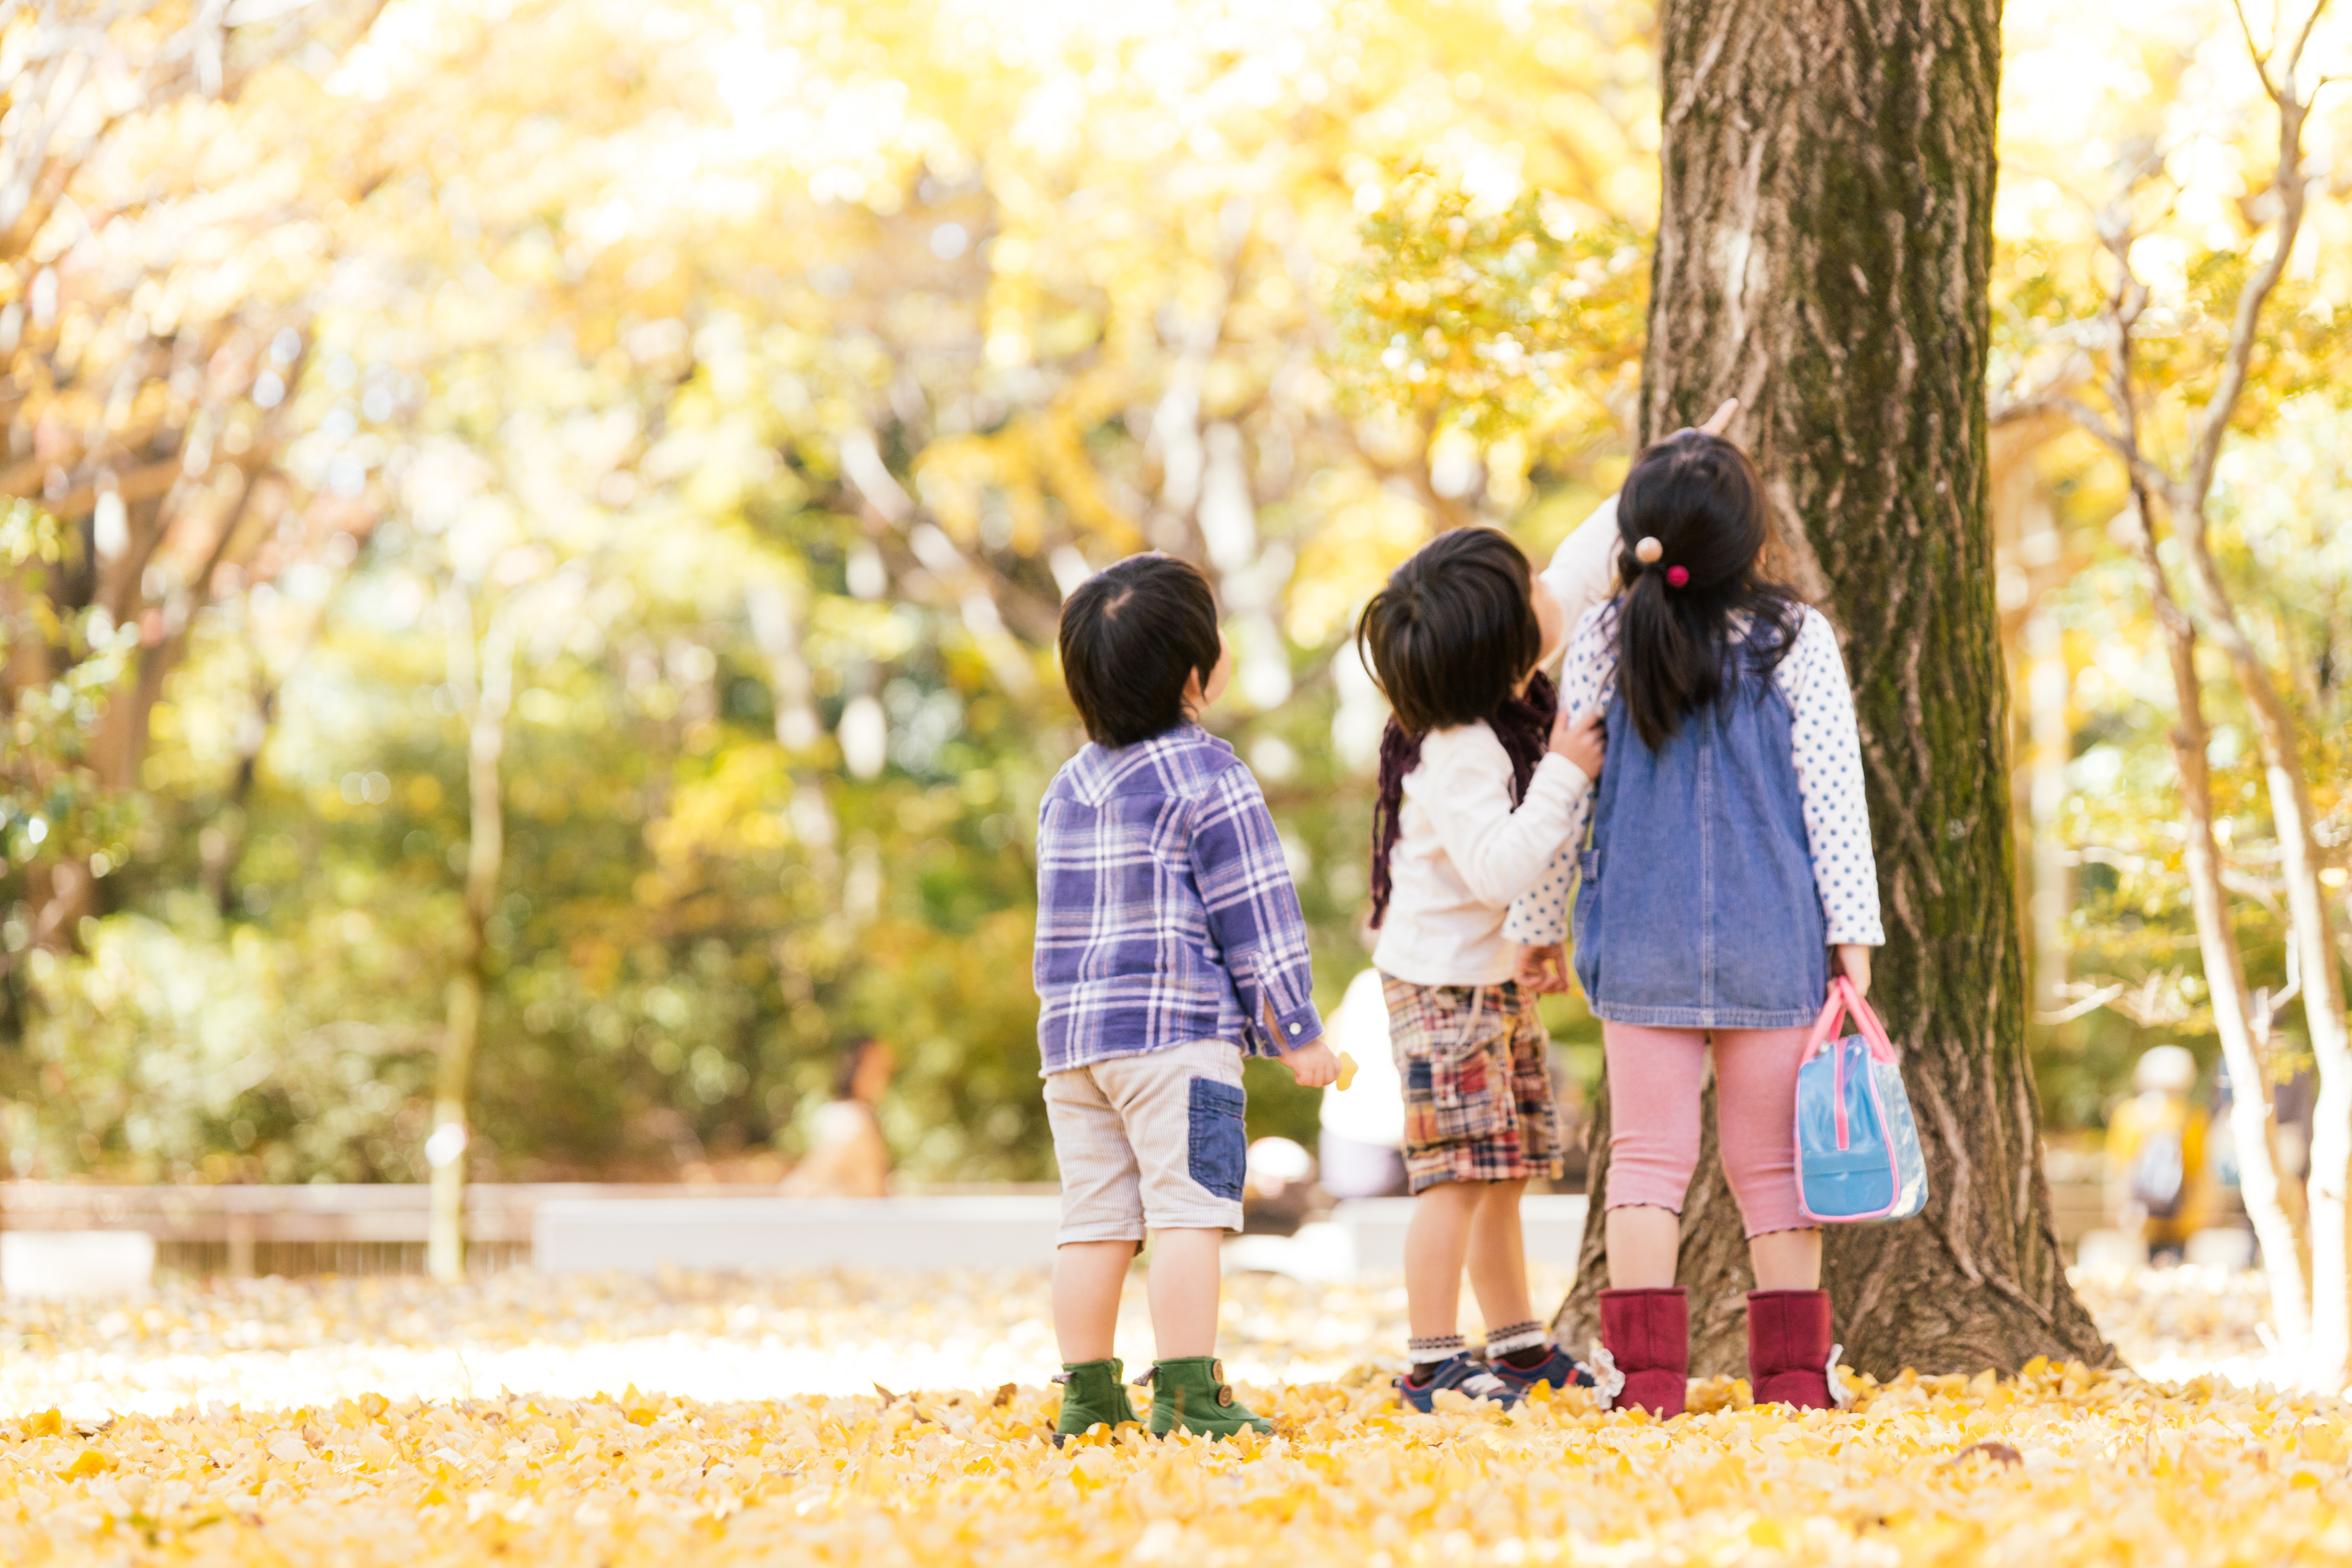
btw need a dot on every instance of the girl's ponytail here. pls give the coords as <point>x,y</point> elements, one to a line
<point>1694,521</point>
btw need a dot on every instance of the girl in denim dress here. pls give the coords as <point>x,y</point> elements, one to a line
<point>1728,871</point>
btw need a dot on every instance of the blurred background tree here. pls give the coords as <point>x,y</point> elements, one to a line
<point>822,353</point>
<point>785,364</point>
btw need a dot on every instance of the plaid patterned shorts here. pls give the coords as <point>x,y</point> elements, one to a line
<point>1477,1083</point>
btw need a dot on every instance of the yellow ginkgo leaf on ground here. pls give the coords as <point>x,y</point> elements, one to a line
<point>2057,1467</point>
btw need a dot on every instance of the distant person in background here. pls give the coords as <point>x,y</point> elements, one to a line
<point>1362,1141</point>
<point>2157,1182</point>
<point>846,1157</point>
<point>1277,1187</point>
<point>2294,1105</point>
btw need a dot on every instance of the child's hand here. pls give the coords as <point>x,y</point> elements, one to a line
<point>1852,959</point>
<point>1582,739</point>
<point>1542,970</point>
<point>1720,420</point>
<point>1314,1066</point>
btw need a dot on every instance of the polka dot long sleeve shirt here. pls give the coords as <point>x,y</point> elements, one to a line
<point>1827,750</point>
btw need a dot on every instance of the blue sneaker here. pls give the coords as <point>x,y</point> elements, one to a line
<point>1559,1369</point>
<point>1463,1373</point>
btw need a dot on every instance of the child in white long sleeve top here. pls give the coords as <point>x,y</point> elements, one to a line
<point>1480,780</point>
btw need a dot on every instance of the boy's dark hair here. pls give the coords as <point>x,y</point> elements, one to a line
<point>1700,498</point>
<point>1454,632</point>
<point>1132,634</point>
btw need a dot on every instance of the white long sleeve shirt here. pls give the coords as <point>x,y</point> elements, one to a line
<point>1462,854</point>
<point>1583,570</point>
<point>1826,745</point>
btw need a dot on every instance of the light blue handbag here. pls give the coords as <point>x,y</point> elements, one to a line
<point>1858,1155</point>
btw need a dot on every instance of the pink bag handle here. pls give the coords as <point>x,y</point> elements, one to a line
<point>1881,1047</point>
<point>1842,999</point>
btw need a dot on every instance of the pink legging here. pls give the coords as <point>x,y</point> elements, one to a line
<point>1655,1077</point>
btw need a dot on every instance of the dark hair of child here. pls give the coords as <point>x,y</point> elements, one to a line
<point>1699,498</point>
<point>1448,639</point>
<point>1131,636</point>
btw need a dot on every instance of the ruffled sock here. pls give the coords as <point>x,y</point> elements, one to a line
<point>1432,1352</point>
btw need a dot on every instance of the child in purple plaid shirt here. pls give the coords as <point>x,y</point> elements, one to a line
<point>1169,945</point>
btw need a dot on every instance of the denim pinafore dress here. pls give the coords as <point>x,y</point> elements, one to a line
<point>1696,907</point>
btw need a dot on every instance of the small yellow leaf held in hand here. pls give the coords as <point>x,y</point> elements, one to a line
<point>1346,1071</point>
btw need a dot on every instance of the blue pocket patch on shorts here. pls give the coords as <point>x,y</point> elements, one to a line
<point>1219,1154</point>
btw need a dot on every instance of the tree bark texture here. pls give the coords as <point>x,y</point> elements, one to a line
<point>1823,255</point>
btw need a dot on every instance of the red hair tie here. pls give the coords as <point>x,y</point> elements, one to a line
<point>1676,576</point>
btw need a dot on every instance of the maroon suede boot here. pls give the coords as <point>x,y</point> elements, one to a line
<point>1789,1349</point>
<point>1647,1336</point>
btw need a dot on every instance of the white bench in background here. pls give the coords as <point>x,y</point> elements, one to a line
<point>1553,1224</point>
<point>1365,1237</point>
<point>638,1235</point>
<point>377,1228</point>
<point>64,1265</point>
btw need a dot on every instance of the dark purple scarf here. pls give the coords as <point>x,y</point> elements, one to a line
<point>1524,726</point>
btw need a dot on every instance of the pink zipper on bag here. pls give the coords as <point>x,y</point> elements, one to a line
<point>1832,1013</point>
<point>1837,1093</point>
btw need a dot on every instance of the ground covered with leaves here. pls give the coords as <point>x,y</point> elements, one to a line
<point>392,1421</point>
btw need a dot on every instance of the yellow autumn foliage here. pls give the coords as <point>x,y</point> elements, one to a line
<point>201,1426</point>
<point>2058,1465</point>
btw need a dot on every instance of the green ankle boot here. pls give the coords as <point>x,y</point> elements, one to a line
<point>1191,1392</point>
<point>1092,1392</point>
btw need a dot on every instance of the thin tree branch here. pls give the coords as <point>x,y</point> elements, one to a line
<point>2245,327</point>
<point>2049,397</point>
<point>2124,443</point>
<point>2261,56</point>
<point>2302,40</point>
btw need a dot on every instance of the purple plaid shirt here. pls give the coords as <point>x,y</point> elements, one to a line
<point>1165,912</point>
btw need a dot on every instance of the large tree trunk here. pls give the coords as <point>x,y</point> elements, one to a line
<point>1823,255</point>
